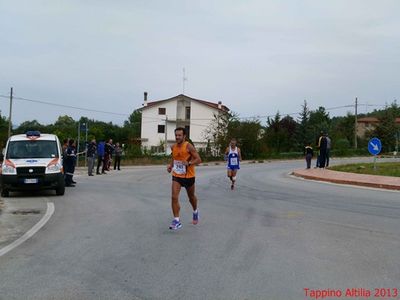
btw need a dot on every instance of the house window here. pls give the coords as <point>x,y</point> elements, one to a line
<point>161,110</point>
<point>161,128</point>
<point>187,112</point>
<point>187,129</point>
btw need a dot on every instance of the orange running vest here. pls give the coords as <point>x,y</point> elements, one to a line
<point>179,155</point>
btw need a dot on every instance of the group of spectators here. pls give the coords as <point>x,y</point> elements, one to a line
<point>104,152</point>
<point>324,144</point>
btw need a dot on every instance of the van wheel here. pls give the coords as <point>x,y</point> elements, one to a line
<point>60,191</point>
<point>5,193</point>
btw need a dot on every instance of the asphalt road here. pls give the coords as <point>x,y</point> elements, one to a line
<point>271,238</point>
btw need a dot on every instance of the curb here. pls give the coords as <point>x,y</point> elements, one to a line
<point>364,183</point>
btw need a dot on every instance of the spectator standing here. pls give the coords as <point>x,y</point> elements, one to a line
<point>100,156</point>
<point>108,150</point>
<point>328,149</point>
<point>309,153</point>
<point>64,153</point>
<point>117,156</point>
<point>322,151</point>
<point>70,162</point>
<point>91,156</point>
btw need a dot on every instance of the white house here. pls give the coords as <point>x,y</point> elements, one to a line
<point>160,118</point>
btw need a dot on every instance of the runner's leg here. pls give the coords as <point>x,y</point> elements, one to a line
<point>233,178</point>
<point>176,188</point>
<point>193,201</point>
<point>192,197</point>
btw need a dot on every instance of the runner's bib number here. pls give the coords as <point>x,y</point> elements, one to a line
<point>233,161</point>
<point>179,168</point>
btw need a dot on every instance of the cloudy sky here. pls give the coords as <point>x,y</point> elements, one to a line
<point>256,56</point>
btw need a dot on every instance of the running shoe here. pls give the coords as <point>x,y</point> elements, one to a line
<point>195,218</point>
<point>175,225</point>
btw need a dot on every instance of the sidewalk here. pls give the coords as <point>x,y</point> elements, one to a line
<point>383,182</point>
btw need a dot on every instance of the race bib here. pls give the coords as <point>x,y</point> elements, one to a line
<point>179,168</point>
<point>234,161</point>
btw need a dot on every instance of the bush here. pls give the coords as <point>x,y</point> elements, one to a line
<point>342,147</point>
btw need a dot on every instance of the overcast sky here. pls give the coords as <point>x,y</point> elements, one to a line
<point>257,57</point>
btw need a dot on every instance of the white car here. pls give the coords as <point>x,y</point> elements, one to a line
<point>32,161</point>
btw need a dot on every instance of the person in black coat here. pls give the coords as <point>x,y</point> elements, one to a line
<point>323,144</point>
<point>70,162</point>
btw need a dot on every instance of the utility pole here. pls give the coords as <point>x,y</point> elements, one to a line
<point>79,140</point>
<point>166,135</point>
<point>86,144</point>
<point>10,113</point>
<point>355,126</point>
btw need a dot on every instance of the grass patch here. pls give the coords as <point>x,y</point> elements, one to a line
<point>383,169</point>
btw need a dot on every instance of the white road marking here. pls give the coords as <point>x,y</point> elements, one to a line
<point>31,232</point>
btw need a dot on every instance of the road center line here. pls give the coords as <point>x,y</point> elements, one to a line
<point>31,232</point>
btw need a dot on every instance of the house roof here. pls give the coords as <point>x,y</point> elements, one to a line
<point>207,103</point>
<point>368,120</point>
<point>373,120</point>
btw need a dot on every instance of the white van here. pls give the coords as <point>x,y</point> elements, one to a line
<point>32,161</point>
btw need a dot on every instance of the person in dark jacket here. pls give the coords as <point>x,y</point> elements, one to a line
<point>100,156</point>
<point>108,150</point>
<point>64,153</point>
<point>309,153</point>
<point>117,156</point>
<point>322,145</point>
<point>91,156</point>
<point>70,161</point>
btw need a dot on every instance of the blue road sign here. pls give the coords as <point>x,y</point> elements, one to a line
<point>374,146</point>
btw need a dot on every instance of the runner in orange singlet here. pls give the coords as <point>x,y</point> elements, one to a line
<point>184,158</point>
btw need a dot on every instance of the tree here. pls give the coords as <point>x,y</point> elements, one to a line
<point>304,133</point>
<point>319,121</point>
<point>133,126</point>
<point>66,127</point>
<point>29,125</point>
<point>343,129</point>
<point>217,131</point>
<point>3,131</point>
<point>248,133</point>
<point>387,129</point>
<point>273,135</point>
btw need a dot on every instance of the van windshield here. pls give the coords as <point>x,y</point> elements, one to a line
<point>32,149</point>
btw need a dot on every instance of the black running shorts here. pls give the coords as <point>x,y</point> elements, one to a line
<point>185,182</point>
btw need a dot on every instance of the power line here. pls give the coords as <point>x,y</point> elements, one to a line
<point>66,106</point>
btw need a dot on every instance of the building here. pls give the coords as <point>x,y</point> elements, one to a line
<point>161,117</point>
<point>368,124</point>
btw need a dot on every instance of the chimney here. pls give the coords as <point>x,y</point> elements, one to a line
<point>145,99</point>
<point>219,105</point>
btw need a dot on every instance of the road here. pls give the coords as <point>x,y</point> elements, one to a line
<point>270,238</point>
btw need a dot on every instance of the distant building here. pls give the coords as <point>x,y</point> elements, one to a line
<point>161,117</point>
<point>368,124</point>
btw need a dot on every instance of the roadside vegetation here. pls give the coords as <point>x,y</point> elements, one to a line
<point>270,137</point>
<point>384,169</point>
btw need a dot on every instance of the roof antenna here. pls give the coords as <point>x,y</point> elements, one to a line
<point>184,78</point>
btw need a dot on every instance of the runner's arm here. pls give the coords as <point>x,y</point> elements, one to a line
<point>239,154</point>
<point>195,157</point>
<point>171,164</point>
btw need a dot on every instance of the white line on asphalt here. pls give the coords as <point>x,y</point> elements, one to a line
<point>31,232</point>
<point>354,186</point>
